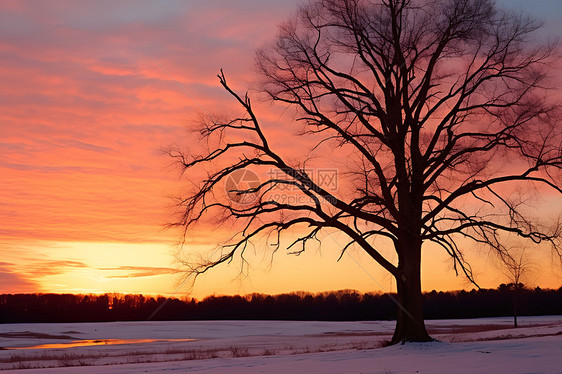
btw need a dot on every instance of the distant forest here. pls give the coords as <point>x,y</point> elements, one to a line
<point>343,305</point>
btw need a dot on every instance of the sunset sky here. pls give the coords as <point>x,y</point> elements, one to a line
<point>87,103</point>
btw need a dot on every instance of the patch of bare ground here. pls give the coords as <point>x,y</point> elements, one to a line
<point>511,336</point>
<point>350,333</point>
<point>466,329</point>
<point>33,335</point>
<point>56,359</point>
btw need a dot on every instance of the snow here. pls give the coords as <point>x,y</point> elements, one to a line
<point>488,345</point>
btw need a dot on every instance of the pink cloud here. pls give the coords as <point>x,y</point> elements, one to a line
<point>85,108</point>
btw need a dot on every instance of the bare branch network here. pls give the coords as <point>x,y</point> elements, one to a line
<point>442,108</point>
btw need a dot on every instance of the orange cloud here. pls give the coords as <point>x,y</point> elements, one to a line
<point>138,271</point>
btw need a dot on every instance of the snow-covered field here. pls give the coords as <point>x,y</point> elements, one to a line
<point>488,345</point>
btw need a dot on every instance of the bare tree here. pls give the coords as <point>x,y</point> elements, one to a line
<point>439,108</point>
<point>516,265</point>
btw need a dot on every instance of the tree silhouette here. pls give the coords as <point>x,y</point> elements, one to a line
<point>439,108</point>
<point>516,265</point>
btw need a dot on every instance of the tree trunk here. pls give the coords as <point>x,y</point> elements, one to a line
<point>410,325</point>
<point>515,306</point>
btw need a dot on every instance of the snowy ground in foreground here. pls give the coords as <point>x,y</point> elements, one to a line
<point>487,345</point>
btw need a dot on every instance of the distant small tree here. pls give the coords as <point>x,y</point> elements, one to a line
<point>437,112</point>
<point>515,265</point>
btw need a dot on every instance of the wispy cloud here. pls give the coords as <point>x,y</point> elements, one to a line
<point>12,281</point>
<point>138,271</point>
<point>50,267</point>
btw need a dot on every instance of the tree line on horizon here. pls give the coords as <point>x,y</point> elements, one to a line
<point>344,305</point>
